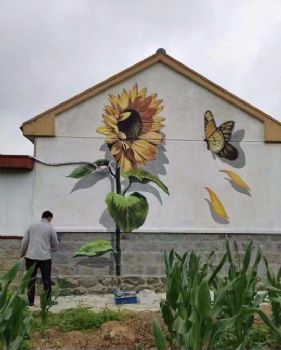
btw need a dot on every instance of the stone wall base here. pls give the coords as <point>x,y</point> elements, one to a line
<point>142,258</point>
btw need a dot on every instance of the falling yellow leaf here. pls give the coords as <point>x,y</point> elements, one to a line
<point>236,179</point>
<point>216,204</point>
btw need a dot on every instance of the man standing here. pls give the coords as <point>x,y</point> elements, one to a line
<point>38,242</point>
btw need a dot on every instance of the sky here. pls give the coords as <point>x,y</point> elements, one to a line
<point>51,50</point>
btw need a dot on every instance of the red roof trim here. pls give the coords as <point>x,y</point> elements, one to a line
<point>10,237</point>
<point>16,162</point>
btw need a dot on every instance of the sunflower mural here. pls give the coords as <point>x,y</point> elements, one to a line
<point>132,129</point>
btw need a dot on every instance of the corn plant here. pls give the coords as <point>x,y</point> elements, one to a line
<point>242,300</point>
<point>242,292</point>
<point>46,304</point>
<point>273,287</point>
<point>193,320</point>
<point>160,339</point>
<point>15,320</point>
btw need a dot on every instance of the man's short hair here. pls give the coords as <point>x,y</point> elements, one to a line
<point>47,214</point>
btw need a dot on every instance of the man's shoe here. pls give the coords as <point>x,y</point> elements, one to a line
<point>52,303</point>
<point>30,304</point>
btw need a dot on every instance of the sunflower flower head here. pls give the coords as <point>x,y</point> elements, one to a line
<point>132,127</point>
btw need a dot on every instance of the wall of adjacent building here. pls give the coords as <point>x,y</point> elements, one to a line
<point>16,192</point>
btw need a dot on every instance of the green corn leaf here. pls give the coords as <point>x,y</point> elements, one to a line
<point>128,212</point>
<point>265,319</point>
<point>247,257</point>
<point>16,344</point>
<point>94,248</point>
<point>86,169</point>
<point>9,276</point>
<point>270,277</point>
<point>218,268</point>
<point>204,299</point>
<point>232,268</point>
<point>273,289</point>
<point>142,176</point>
<point>276,300</point>
<point>243,344</point>
<point>159,336</point>
<point>222,325</point>
<point>26,278</point>
<point>279,276</point>
<point>256,263</point>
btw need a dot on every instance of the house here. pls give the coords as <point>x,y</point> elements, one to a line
<point>217,156</point>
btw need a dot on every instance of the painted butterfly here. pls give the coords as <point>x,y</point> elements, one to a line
<point>218,138</point>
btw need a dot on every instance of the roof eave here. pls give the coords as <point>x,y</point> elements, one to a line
<point>43,125</point>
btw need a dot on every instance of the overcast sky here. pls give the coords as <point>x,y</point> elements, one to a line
<point>51,50</point>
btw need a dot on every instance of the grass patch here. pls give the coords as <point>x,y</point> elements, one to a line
<point>79,319</point>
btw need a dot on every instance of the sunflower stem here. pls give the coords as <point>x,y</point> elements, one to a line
<point>111,172</point>
<point>117,230</point>
<point>126,189</point>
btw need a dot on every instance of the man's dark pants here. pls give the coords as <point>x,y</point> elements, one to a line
<point>45,267</point>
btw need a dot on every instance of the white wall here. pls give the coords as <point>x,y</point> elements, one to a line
<point>15,201</point>
<point>186,166</point>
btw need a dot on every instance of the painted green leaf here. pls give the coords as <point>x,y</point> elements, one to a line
<point>143,176</point>
<point>128,212</point>
<point>86,169</point>
<point>94,248</point>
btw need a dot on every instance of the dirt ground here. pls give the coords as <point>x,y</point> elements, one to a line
<point>114,335</point>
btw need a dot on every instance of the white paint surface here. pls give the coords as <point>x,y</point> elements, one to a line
<point>15,201</point>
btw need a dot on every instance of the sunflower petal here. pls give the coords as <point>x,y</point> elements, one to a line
<point>125,163</point>
<point>124,100</point>
<point>116,148</point>
<point>236,179</point>
<point>104,130</point>
<point>151,136</point>
<point>109,120</point>
<point>142,92</point>
<point>216,204</point>
<point>133,93</point>
<point>125,115</point>
<point>113,100</point>
<point>145,149</point>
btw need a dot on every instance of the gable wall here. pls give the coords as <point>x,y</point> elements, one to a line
<point>185,165</point>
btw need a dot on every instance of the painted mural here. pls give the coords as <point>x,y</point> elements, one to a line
<point>218,141</point>
<point>218,138</point>
<point>132,127</point>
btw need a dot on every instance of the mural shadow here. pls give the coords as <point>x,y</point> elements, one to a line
<point>237,188</point>
<point>240,162</point>
<point>91,179</point>
<point>216,217</point>
<point>157,167</point>
<point>107,221</point>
